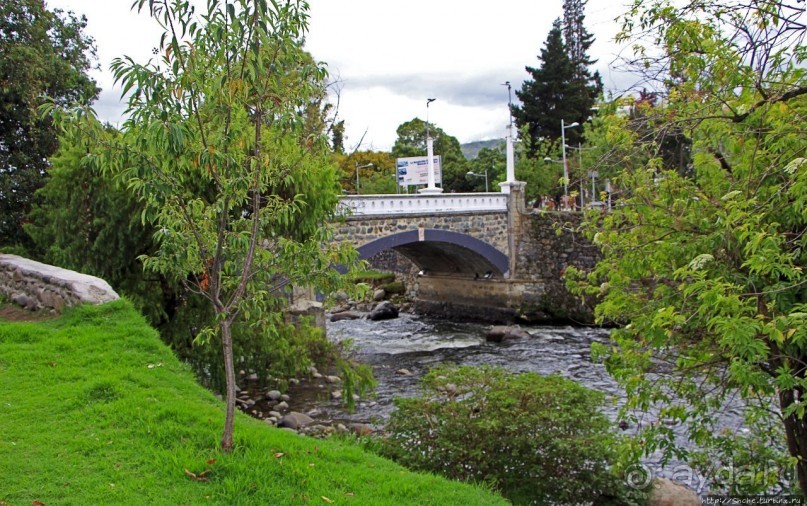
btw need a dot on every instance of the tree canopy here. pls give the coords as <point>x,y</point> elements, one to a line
<point>705,267</point>
<point>411,141</point>
<point>42,53</point>
<point>234,174</point>
<point>561,89</point>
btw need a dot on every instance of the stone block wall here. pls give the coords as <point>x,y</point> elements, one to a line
<point>35,285</point>
<point>548,244</point>
<point>485,226</point>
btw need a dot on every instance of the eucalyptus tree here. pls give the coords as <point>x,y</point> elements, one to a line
<point>234,178</point>
<point>705,268</point>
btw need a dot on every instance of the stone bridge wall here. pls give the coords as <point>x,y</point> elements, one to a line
<point>485,226</point>
<point>547,244</point>
<point>35,285</point>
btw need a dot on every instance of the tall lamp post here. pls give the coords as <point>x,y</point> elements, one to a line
<point>485,175</point>
<point>357,173</point>
<point>563,128</point>
<point>430,155</point>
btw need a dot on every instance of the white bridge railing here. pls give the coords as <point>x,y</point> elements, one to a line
<point>365,205</point>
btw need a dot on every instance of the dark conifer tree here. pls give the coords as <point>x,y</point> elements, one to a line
<point>563,88</point>
<point>578,41</point>
<point>548,96</point>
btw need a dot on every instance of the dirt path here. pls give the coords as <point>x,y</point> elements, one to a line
<point>10,312</point>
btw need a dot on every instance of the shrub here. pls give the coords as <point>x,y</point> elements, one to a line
<point>535,438</point>
<point>394,288</point>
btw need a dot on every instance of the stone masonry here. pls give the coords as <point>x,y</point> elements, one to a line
<point>486,226</point>
<point>35,285</point>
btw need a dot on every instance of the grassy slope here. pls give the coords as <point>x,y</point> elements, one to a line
<point>94,409</point>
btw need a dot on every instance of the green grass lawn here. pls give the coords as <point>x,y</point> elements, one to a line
<point>96,410</point>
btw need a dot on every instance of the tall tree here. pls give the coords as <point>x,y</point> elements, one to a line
<point>709,266</point>
<point>549,96</point>
<point>563,87</point>
<point>374,170</point>
<point>217,146</point>
<point>42,53</point>
<point>578,40</point>
<point>411,141</point>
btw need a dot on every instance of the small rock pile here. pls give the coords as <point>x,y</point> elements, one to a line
<point>273,408</point>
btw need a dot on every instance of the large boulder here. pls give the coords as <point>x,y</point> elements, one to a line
<point>295,420</point>
<point>384,311</point>
<point>669,493</point>
<point>345,315</point>
<point>499,333</point>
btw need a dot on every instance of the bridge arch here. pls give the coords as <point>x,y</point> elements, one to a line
<point>442,252</point>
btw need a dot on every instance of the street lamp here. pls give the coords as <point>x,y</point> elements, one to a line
<point>357,173</point>
<point>485,175</point>
<point>428,101</point>
<point>563,128</point>
<point>592,174</point>
<point>431,188</point>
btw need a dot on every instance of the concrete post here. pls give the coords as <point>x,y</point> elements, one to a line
<point>431,188</point>
<point>516,208</point>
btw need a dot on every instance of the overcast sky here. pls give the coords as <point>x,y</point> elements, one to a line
<point>390,56</point>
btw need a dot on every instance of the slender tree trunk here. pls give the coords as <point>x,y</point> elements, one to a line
<point>796,433</point>
<point>229,374</point>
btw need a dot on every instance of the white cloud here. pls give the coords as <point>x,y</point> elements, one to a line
<point>392,55</point>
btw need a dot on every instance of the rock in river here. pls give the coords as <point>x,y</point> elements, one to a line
<point>345,315</point>
<point>499,333</point>
<point>295,420</point>
<point>384,311</point>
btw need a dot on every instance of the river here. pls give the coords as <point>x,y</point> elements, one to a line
<point>415,344</point>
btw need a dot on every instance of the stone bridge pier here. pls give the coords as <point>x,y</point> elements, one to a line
<point>479,256</point>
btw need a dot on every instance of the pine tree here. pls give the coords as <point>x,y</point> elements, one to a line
<point>548,97</point>
<point>578,41</point>
<point>563,88</point>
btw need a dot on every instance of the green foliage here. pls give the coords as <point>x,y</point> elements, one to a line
<point>42,53</point>
<point>96,410</point>
<point>394,288</point>
<point>85,221</point>
<point>535,438</point>
<point>706,266</point>
<point>230,163</point>
<point>372,277</point>
<point>556,91</point>
<point>376,171</point>
<point>488,161</point>
<point>411,141</point>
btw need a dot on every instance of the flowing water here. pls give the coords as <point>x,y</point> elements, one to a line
<point>414,344</point>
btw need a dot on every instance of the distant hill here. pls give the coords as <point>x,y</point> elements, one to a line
<point>471,149</point>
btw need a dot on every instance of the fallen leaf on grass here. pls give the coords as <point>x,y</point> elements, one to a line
<point>279,454</point>
<point>211,462</point>
<point>36,503</point>
<point>329,501</point>
<point>198,477</point>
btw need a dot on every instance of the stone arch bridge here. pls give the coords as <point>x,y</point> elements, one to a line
<point>476,255</point>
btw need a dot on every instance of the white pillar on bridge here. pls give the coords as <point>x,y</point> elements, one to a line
<point>511,165</point>
<point>431,188</point>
